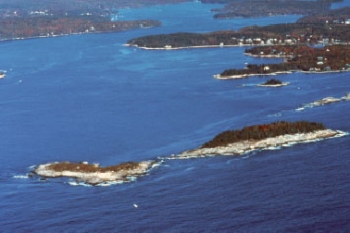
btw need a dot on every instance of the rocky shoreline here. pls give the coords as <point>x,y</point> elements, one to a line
<point>247,146</point>
<point>241,76</point>
<point>93,174</point>
<point>274,85</point>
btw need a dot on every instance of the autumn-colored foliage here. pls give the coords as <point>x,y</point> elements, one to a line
<point>84,167</point>
<point>12,28</point>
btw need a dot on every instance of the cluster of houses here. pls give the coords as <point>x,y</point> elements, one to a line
<point>288,40</point>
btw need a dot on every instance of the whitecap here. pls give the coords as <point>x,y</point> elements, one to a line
<point>21,176</point>
<point>75,183</point>
<point>272,148</point>
<point>190,169</point>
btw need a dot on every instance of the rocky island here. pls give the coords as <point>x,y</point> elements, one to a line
<point>261,137</point>
<point>93,174</point>
<point>273,83</point>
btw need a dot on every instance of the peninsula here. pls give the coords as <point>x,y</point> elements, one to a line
<point>301,58</point>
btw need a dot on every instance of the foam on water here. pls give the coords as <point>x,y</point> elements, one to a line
<point>324,101</point>
<point>21,176</point>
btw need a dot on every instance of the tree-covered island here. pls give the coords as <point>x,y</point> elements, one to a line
<point>261,137</point>
<point>258,132</point>
<point>273,83</point>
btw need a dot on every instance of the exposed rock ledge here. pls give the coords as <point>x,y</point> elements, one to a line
<point>246,146</point>
<point>93,174</point>
<point>324,101</point>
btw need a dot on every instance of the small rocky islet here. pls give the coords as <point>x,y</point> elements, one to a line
<point>273,83</point>
<point>93,174</point>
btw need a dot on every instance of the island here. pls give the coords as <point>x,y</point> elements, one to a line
<point>273,83</point>
<point>261,137</point>
<point>93,174</point>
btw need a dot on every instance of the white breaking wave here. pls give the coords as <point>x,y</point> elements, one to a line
<point>21,176</point>
<point>324,101</point>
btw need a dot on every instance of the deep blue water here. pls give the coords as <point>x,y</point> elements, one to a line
<point>87,97</point>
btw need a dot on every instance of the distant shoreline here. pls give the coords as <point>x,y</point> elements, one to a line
<point>186,47</point>
<point>62,35</point>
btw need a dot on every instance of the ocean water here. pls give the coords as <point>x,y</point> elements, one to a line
<point>89,98</point>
